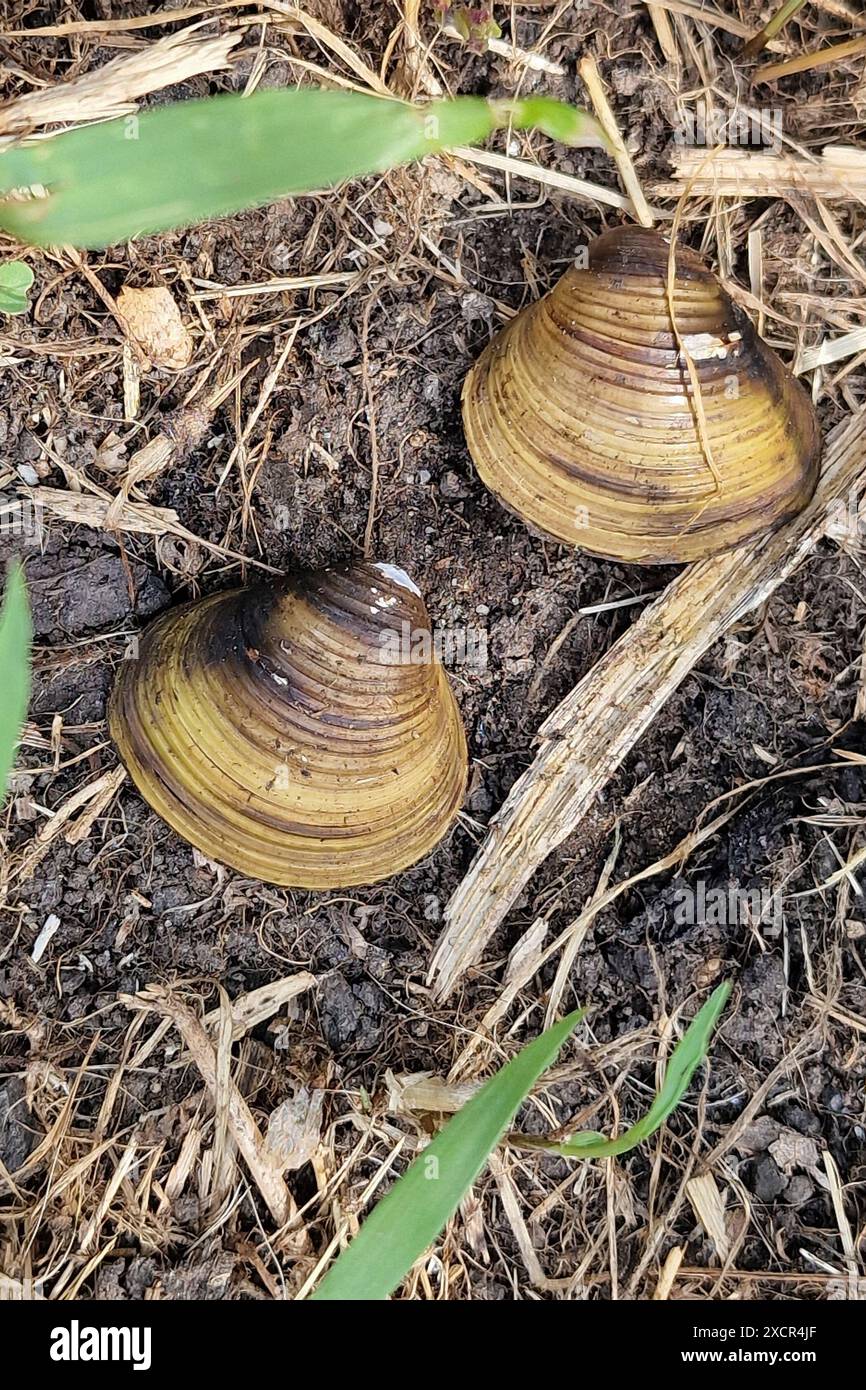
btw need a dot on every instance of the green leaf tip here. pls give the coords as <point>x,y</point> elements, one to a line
<point>569,125</point>
<point>684,1061</point>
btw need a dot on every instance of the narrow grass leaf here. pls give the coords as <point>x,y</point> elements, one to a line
<point>685,1058</point>
<point>409,1218</point>
<point>182,163</point>
<point>15,665</point>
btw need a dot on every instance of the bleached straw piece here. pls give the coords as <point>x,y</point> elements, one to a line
<point>807,62</point>
<point>669,1271</point>
<point>713,18</point>
<point>588,69</point>
<point>551,178</point>
<point>115,88</point>
<point>258,1005</point>
<point>832,350</point>
<point>664,33</point>
<point>709,1207</point>
<point>535,62</point>
<point>234,1111</point>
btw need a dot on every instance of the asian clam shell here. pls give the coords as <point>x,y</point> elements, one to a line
<point>285,730</point>
<point>581,414</point>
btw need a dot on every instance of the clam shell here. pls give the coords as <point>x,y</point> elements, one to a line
<point>288,732</point>
<point>580,415</point>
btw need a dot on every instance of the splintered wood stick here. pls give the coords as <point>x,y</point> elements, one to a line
<point>587,737</point>
<point>839,173</point>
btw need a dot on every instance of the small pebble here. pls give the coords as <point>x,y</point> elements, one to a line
<point>799,1190</point>
<point>453,486</point>
<point>477,306</point>
<point>481,801</point>
<point>282,258</point>
<point>767,1182</point>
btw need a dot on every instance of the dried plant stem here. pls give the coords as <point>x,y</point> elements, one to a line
<point>255,1007</point>
<point>116,88</point>
<point>232,1110</point>
<point>806,62</point>
<point>771,29</point>
<point>706,14</point>
<point>599,722</point>
<point>550,178</point>
<point>137,518</point>
<point>664,32</point>
<point>591,77</point>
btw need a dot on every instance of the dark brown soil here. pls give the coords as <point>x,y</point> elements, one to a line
<point>134,904</point>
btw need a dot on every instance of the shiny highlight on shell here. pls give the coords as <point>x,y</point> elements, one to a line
<point>273,730</point>
<point>581,417</point>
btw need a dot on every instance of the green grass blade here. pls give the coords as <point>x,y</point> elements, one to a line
<point>685,1058</point>
<point>179,164</point>
<point>15,665</point>
<point>15,280</point>
<point>413,1213</point>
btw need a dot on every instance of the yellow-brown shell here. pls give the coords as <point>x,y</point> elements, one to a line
<point>581,417</point>
<point>286,730</point>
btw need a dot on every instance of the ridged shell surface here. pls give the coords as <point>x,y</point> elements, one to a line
<point>286,730</point>
<point>581,417</point>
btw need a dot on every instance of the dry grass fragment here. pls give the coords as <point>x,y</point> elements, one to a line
<point>832,350</point>
<point>711,16</point>
<point>424,1093</point>
<point>806,62</point>
<point>153,319</point>
<point>510,1198</point>
<point>114,89</point>
<point>669,1271</point>
<point>258,1005</point>
<point>709,1207</point>
<point>95,797</point>
<point>138,518</point>
<point>582,189</point>
<point>232,1109</point>
<point>146,463</point>
<point>535,62</point>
